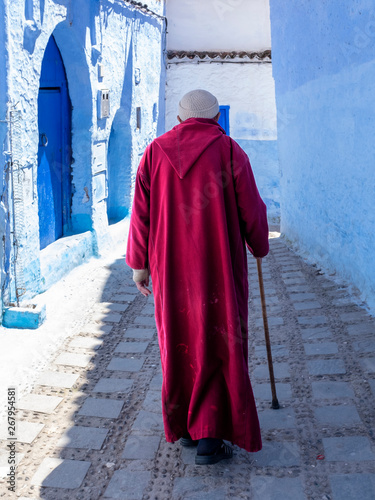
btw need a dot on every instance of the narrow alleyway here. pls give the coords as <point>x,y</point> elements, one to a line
<point>92,427</point>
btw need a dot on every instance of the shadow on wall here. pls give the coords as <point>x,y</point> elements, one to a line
<point>119,151</point>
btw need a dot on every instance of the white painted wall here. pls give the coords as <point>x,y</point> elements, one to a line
<point>218,25</point>
<point>247,88</point>
<point>249,91</point>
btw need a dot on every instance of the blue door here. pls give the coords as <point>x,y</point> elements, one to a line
<point>224,118</point>
<point>54,190</point>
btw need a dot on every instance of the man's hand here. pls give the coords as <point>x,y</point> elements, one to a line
<point>142,287</point>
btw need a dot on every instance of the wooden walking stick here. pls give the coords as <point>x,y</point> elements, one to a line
<point>275,404</point>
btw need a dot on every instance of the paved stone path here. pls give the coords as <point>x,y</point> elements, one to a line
<point>92,426</point>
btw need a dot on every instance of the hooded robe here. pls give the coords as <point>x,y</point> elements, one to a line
<point>196,207</point>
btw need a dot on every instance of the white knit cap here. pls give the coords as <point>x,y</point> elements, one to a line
<point>198,104</point>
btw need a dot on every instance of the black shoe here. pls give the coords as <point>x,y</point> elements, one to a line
<point>222,452</point>
<point>187,442</point>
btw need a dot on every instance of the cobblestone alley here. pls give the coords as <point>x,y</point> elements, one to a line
<point>92,428</point>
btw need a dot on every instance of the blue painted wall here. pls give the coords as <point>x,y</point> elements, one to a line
<point>324,70</point>
<point>4,228</point>
<point>264,159</point>
<point>104,45</point>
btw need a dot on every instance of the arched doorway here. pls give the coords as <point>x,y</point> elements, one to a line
<point>119,168</point>
<point>54,151</point>
<point>120,151</point>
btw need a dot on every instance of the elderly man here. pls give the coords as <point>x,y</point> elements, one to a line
<point>196,208</point>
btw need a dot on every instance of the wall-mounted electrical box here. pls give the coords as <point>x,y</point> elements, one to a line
<point>103,103</point>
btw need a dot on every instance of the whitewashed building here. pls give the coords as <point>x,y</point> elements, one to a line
<point>81,95</point>
<point>225,48</point>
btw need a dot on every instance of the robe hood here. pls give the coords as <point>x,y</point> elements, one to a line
<point>185,143</point>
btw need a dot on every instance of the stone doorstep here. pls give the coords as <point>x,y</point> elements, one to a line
<point>299,289</point>
<point>342,302</point>
<point>72,359</point>
<point>57,379</point>
<point>141,447</point>
<point>302,297</point>
<point>113,385</point>
<point>266,487</point>
<point>148,422</point>
<point>277,454</point>
<point>281,370</point>
<point>197,488</point>
<point>107,307</point>
<point>312,320</point>
<point>152,402</point>
<point>140,333</point>
<point>145,321</point>
<point>348,449</point>
<point>283,418</point>
<point>132,347</point>
<point>354,316</point>
<point>109,317</point>
<point>26,432</point>
<point>353,486</point>
<point>292,274</point>
<point>130,289</point>
<point>4,465</point>
<point>315,333</point>
<point>278,350</point>
<point>294,281</point>
<point>148,311</point>
<point>125,364</point>
<point>321,348</point>
<point>263,391</point>
<point>272,321</point>
<point>96,329</point>
<point>361,329</point>
<point>332,390</point>
<point>104,408</point>
<point>368,364</point>
<point>273,299</point>
<point>123,481</point>
<point>39,403</point>
<point>156,382</point>
<point>90,438</point>
<point>364,345</point>
<point>117,297</point>
<point>85,342</point>
<point>338,416</point>
<point>60,473</point>
<point>267,291</point>
<point>302,306</point>
<point>326,367</point>
<point>188,455</point>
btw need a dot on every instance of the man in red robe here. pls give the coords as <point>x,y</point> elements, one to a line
<point>196,208</point>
